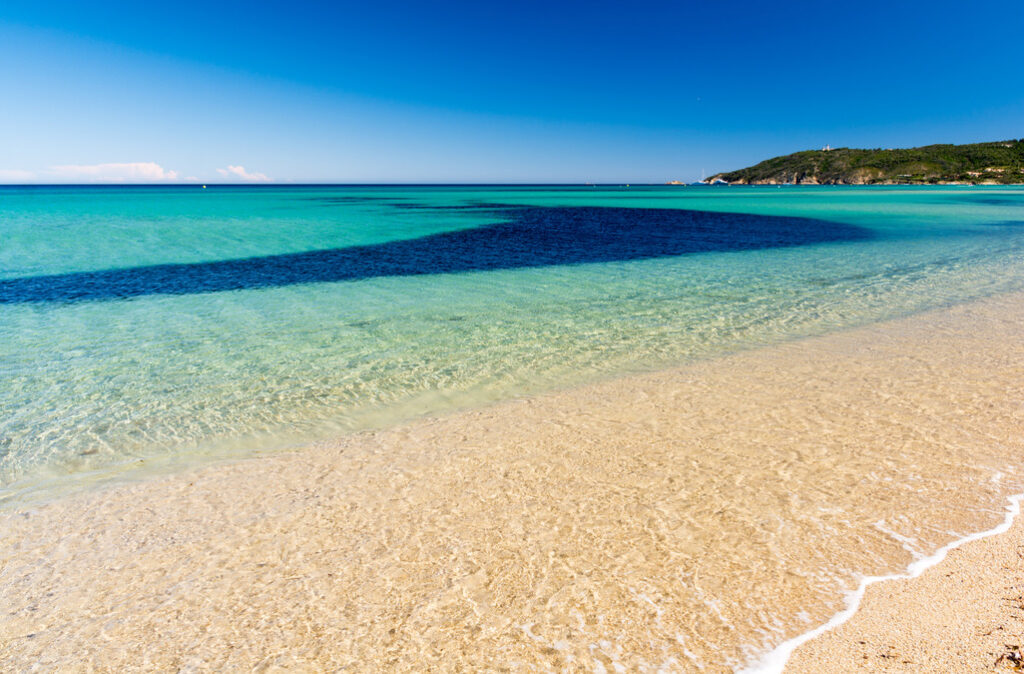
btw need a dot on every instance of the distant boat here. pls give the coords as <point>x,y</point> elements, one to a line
<point>702,181</point>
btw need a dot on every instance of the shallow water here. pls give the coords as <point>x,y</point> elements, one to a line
<point>155,326</point>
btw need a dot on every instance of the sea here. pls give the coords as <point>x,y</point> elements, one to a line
<point>150,328</point>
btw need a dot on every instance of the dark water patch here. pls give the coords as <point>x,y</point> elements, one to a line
<point>530,237</point>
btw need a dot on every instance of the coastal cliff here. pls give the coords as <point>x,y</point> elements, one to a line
<point>997,163</point>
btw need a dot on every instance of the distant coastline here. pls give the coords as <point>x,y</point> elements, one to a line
<point>995,163</point>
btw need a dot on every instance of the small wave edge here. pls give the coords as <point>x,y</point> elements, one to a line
<point>774,661</point>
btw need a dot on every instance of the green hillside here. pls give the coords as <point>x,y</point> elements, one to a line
<point>999,163</point>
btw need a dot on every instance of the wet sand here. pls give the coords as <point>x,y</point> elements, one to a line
<point>964,615</point>
<point>688,519</point>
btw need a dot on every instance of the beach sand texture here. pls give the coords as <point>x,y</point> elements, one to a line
<point>686,519</point>
<point>963,615</point>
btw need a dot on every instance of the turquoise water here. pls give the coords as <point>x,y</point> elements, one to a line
<point>146,326</point>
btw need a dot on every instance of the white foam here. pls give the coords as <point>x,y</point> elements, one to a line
<point>775,660</point>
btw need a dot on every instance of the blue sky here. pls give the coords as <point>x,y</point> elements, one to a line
<point>489,92</point>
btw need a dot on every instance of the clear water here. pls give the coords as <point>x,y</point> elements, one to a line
<point>147,326</point>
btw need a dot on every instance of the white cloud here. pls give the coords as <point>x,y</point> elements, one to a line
<point>15,175</point>
<point>240,172</point>
<point>142,171</point>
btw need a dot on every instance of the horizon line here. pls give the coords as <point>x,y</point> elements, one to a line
<point>351,184</point>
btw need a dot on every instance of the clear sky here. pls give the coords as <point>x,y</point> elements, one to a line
<point>489,91</point>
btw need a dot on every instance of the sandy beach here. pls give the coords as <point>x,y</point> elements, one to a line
<point>684,520</point>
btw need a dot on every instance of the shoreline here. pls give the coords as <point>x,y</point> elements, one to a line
<point>41,490</point>
<point>778,660</point>
<point>961,614</point>
<point>642,522</point>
